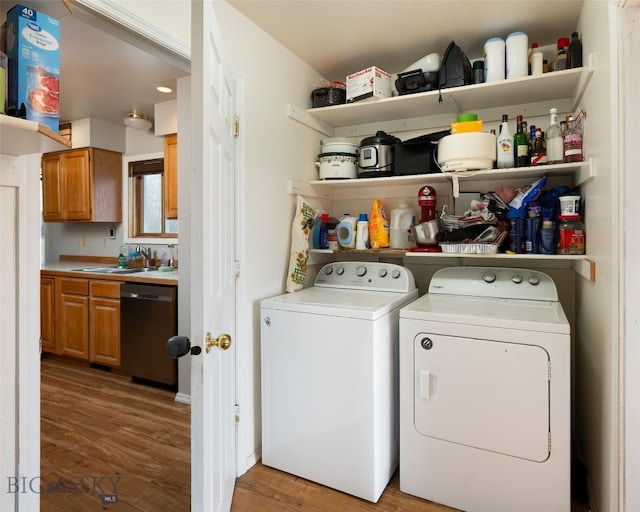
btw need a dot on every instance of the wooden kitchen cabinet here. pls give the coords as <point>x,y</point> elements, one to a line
<point>72,316</point>
<point>47,315</point>
<point>104,323</point>
<point>171,176</point>
<point>85,319</point>
<point>82,185</point>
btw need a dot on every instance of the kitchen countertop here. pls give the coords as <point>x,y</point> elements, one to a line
<point>66,268</point>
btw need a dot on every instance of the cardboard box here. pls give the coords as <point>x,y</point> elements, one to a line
<point>368,83</point>
<point>33,48</point>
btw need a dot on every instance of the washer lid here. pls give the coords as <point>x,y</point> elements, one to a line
<point>517,314</point>
<point>364,304</point>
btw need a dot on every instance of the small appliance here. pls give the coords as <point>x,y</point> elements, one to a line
<point>376,155</point>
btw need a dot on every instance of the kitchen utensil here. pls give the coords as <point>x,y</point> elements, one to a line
<point>416,156</point>
<point>338,145</point>
<point>375,155</point>
<point>467,151</point>
<point>428,233</point>
<point>327,96</point>
<point>337,166</point>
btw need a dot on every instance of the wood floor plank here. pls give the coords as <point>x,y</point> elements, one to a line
<point>96,426</point>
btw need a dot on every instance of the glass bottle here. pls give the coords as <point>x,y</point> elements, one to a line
<point>539,153</point>
<point>572,143</point>
<point>554,139</point>
<point>575,51</point>
<point>521,145</point>
<point>505,154</point>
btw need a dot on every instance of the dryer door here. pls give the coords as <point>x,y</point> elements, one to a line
<point>489,395</point>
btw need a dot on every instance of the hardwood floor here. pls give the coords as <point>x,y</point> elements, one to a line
<point>105,438</point>
<point>266,489</point>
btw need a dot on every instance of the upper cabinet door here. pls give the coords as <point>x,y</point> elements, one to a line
<point>171,176</point>
<point>82,185</point>
<point>78,186</point>
<point>52,185</point>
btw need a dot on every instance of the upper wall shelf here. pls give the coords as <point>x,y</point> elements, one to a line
<point>22,137</point>
<point>566,85</point>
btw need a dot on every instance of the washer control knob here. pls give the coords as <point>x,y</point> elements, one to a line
<point>339,270</point>
<point>489,277</point>
<point>517,278</point>
<point>382,272</point>
<point>534,280</point>
<point>328,270</point>
<point>395,273</point>
<point>361,270</point>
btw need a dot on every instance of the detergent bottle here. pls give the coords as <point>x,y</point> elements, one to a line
<point>346,231</point>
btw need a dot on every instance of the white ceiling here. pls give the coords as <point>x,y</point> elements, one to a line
<point>106,72</point>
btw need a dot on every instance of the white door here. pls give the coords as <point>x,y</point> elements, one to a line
<point>213,242</point>
<point>19,318</point>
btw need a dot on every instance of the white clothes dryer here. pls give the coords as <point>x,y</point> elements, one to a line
<point>330,377</point>
<point>485,392</point>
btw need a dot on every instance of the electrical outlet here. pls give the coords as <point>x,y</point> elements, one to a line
<point>104,240</point>
<point>112,233</point>
<point>83,241</point>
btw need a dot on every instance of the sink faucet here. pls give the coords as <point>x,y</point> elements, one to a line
<point>146,254</point>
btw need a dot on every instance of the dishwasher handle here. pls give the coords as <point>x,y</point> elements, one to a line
<point>145,296</point>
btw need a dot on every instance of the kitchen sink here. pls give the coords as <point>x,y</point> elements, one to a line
<point>115,270</point>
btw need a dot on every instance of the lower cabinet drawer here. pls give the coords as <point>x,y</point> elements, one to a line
<point>109,289</point>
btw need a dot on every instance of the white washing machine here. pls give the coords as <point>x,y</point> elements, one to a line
<point>330,377</point>
<point>485,392</point>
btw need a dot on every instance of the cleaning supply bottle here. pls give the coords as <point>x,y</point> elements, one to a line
<point>323,238</point>
<point>122,258</point>
<point>346,230</point>
<point>315,243</point>
<point>362,232</point>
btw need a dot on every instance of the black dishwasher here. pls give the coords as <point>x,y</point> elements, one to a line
<point>148,318</point>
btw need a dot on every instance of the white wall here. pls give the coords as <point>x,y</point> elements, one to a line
<point>630,356</point>
<point>273,149</point>
<point>598,303</point>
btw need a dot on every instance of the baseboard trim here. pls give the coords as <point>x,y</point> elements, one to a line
<point>183,398</point>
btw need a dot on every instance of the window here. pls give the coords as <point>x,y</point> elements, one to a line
<point>146,209</point>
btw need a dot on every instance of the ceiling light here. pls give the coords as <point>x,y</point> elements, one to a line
<point>162,88</point>
<point>137,121</point>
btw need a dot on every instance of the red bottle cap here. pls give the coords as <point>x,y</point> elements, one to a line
<point>563,41</point>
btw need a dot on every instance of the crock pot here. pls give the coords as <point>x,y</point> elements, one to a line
<point>375,155</point>
<point>332,166</point>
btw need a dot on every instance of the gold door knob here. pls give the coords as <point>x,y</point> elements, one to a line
<point>223,342</point>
